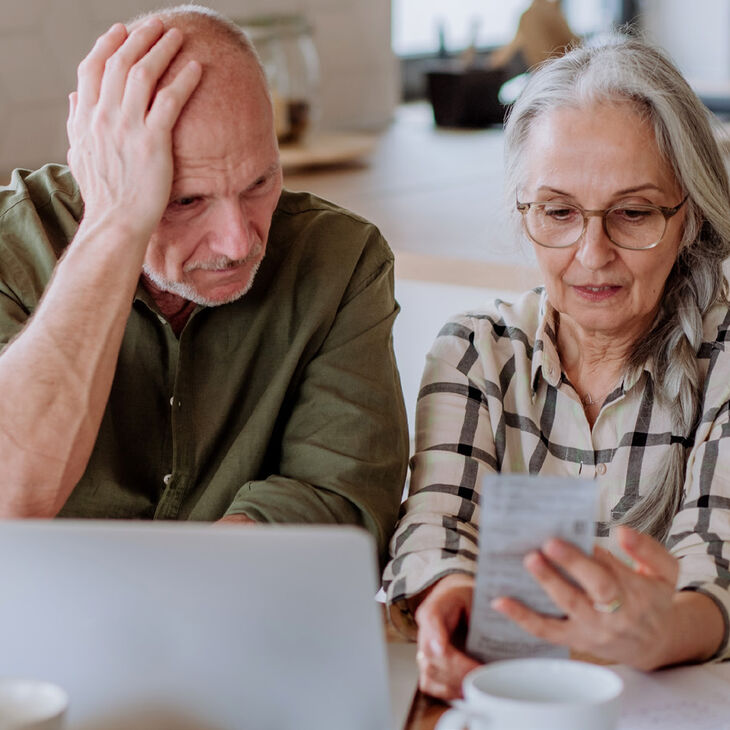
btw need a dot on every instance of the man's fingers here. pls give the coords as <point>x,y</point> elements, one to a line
<point>170,100</point>
<point>73,101</point>
<point>91,69</point>
<point>649,555</point>
<point>117,67</point>
<point>147,71</point>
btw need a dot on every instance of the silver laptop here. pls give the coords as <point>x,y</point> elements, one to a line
<point>200,627</point>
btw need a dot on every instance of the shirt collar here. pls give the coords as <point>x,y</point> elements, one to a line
<point>545,358</point>
<point>143,295</point>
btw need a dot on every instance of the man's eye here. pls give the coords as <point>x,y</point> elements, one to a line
<point>184,202</point>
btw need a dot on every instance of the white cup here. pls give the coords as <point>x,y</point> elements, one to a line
<point>549,694</point>
<point>27,704</point>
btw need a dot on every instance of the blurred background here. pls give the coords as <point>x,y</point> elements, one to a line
<point>392,108</point>
<point>372,53</point>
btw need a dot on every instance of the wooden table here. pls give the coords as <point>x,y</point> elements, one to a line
<point>425,712</point>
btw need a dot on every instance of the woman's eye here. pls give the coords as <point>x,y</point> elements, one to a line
<point>635,215</point>
<point>559,214</point>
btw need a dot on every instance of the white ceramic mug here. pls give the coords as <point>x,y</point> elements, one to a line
<point>27,704</point>
<point>549,694</point>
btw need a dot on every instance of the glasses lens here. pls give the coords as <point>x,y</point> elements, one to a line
<point>635,226</point>
<point>554,224</point>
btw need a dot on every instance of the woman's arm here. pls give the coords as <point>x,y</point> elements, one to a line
<point>438,532</point>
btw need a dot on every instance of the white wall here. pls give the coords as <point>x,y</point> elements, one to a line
<point>696,33</point>
<point>42,41</point>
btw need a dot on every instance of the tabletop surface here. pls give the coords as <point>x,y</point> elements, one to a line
<point>696,697</point>
<point>437,196</point>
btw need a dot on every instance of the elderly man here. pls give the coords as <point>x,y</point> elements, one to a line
<point>180,338</point>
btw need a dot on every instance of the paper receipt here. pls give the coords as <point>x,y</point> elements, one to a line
<point>518,514</point>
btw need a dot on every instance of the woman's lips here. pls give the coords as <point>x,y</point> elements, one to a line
<point>597,293</point>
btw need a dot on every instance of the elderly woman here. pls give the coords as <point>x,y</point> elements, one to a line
<point>617,370</point>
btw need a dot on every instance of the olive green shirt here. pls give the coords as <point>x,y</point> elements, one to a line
<point>284,406</point>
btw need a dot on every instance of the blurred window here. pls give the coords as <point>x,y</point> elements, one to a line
<point>426,27</point>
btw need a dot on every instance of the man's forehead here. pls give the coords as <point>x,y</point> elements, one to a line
<point>189,174</point>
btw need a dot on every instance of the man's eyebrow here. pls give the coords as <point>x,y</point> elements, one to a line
<point>268,172</point>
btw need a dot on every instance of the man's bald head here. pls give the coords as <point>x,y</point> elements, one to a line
<point>231,66</point>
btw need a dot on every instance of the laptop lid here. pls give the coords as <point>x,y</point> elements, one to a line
<point>194,626</point>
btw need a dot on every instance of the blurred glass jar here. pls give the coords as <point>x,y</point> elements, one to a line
<point>289,57</point>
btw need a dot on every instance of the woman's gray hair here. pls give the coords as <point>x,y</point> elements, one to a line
<point>627,69</point>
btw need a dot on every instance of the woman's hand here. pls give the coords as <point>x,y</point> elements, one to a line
<point>120,125</point>
<point>616,612</point>
<point>445,609</point>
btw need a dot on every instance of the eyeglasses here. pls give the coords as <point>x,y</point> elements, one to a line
<point>559,225</point>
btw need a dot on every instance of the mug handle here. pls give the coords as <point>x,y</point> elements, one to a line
<point>458,717</point>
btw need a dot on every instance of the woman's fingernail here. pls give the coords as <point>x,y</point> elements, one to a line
<point>555,549</point>
<point>532,559</point>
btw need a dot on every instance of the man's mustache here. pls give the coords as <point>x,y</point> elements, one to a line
<point>220,263</point>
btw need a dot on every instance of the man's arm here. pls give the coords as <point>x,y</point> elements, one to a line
<point>55,377</point>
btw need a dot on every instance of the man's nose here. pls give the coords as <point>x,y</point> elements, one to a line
<point>234,235</point>
<point>595,249</point>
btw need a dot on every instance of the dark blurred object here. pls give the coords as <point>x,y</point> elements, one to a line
<point>466,97</point>
<point>464,94</point>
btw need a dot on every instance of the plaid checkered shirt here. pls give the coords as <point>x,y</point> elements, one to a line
<point>494,398</point>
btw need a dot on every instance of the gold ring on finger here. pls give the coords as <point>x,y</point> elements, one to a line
<point>610,607</point>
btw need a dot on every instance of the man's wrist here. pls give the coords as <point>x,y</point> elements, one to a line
<point>236,520</point>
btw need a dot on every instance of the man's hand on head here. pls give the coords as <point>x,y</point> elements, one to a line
<point>120,125</point>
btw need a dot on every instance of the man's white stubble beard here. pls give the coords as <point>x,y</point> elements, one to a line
<point>189,292</point>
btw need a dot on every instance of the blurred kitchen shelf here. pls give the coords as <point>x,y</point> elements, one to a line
<point>324,149</point>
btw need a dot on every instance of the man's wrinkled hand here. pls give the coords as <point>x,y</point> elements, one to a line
<point>120,125</point>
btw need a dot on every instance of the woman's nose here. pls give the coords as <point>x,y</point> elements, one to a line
<point>595,249</point>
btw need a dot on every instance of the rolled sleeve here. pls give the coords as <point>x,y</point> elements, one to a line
<point>700,532</point>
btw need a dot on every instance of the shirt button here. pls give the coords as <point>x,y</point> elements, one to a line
<point>172,400</point>
<point>601,469</point>
<point>167,479</point>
